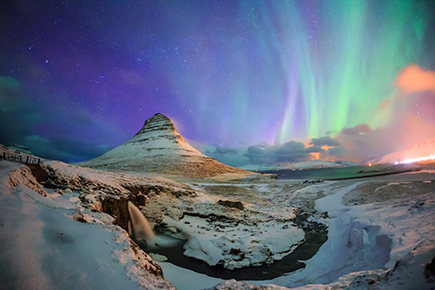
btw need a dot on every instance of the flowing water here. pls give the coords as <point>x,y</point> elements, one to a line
<point>315,235</point>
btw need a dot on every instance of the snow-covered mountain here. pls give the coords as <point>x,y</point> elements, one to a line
<point>158,147</point>
<point>417,151</point>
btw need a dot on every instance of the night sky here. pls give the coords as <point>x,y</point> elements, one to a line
<point>258,82</point>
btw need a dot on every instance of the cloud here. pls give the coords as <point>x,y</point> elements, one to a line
<point>288,152</point>
<point>360,143</point>
<point>357,130</point>
<point>255,150</point>
<point>17,114</point>
<point>231,156</point>
<point>65,149</point>
<point>314,149</point>
<point>406,132</point>
<point>264,154</point>
<point>293,146</point>
<point>19,118</point>
<point>415,79</point>
<point>225,150</point>
<point>336,151</point>
<point>324,141</point>
<point>402,121</point>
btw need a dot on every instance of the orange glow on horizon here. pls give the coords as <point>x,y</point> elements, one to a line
<point>418,159</point>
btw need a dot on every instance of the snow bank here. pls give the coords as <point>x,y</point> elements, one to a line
<point>368,240</point>
<point>237,246</point>
<point>43,247</point>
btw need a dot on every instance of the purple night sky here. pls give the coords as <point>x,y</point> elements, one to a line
<point>238,78</point>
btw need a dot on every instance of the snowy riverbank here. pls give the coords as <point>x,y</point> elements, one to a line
<point>380,230</point>
<point>373,244</point>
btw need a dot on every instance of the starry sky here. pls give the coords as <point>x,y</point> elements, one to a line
<point>247,82</point>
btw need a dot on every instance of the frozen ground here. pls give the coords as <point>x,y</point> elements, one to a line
<point>44,247</point>
<point>380,230</point>
<point>381,236</point>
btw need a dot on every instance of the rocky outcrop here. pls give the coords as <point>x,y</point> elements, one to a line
<point>78,183</point>
<point>159,148</point>
<point>24,175</point>
<point>233,204</point>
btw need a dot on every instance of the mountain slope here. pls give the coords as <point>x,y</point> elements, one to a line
<point>158,147</point>
<point>420,150</point>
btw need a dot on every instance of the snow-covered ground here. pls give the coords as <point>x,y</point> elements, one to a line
<point>381,230</point>
<point>42,246</point>
<point>374,242</point>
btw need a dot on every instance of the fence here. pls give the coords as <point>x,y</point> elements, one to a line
<point>19,158</point>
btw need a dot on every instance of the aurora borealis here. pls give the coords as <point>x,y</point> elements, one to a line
<point>78,78</point>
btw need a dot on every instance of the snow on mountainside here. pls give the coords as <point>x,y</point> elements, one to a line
<point>420,150</point>
<point>158,147</point>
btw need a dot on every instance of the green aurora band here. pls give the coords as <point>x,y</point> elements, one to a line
<point>339,64</point>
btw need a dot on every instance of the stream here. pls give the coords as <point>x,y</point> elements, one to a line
<point>315,236</point>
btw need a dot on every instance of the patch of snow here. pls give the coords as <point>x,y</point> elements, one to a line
<point>239,245</point>
<point>184,279</point>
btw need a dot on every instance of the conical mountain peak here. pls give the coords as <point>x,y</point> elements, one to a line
<point>158,122</point>
<point>158,127</point>
<point>158,147</point>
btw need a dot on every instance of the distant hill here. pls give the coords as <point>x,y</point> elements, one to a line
<point>301,165</point>
<point>420,150</point>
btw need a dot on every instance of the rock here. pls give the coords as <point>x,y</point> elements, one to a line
<point>364,281</point>
<point>117,208</point>
<point>324,215</point>
<point>24,175</point>
<point>429,271</point>
<point>78,216</point>
<point>233,204</point>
